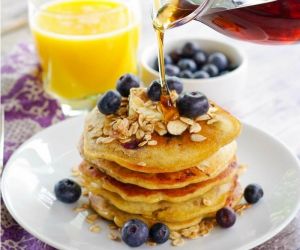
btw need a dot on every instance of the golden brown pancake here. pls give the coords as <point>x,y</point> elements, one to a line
<point>171,154</point>
<point>110,212</point>
<point>207,169</point>
<point>168,211</point>
<point>96,180</point>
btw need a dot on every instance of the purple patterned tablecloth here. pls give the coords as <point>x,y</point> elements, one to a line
<point>27,110</point>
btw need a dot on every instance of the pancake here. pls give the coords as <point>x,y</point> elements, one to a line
<point>119,217</point>
<point>168,211</point>
<point>95,181</point>
<point>171,154</point>
<point>207,169</point>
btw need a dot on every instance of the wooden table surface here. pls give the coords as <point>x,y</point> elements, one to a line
<point>270,98</point>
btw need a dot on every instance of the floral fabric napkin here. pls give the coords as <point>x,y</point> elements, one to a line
<point>27,110</point>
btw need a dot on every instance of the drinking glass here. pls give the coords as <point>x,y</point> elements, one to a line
<point>84,46</point>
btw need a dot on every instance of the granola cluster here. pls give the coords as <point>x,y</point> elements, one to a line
<point>193,232</point>
<point>138,118</point>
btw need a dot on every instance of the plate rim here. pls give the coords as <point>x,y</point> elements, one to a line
<point>44,238</point>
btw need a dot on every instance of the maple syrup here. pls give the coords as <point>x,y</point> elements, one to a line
<point>268,21</point>
<point>169,109</point>
<point>271,23</point>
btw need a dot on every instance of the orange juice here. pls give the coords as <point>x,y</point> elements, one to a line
<point>85,46</point>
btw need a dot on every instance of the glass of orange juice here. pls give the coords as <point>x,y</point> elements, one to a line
<point>84,46</point>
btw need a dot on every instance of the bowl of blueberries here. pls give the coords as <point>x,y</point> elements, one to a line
<point>216,68</point>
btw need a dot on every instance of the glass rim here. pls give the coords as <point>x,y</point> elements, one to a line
<point>41,8</point>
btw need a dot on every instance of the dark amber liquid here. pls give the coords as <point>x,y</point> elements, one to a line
<point>274,22</point>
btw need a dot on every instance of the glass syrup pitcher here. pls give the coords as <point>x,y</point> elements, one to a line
<point>260,21</point>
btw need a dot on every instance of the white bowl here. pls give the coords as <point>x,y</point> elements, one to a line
<point>224,89</point>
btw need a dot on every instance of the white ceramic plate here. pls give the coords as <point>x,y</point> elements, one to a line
<point>29,177</point>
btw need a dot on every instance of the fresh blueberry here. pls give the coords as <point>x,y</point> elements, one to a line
<point>109,102</point>
<point>167,59</point>
<point>200,58</point>
<point>67,191</point>
<point>185,74</point>
<point>232,67</point>
<point>175,84</point>
<point>201,74</point>
<point>134,233</point>
<point>187,64</point>
<point>192,104</point>
<point>225,217</point>
<point>189,49</point>
<point>172,70</point>
<point>159,233</point>
<point>175,55</point>
<point>218,59</point>
<point>126,82</point>
<point>253,193</point>
<point>211,69</point>
<point>224,72</point>
<point>154,91</point>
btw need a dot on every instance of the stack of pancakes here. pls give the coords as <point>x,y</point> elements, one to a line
<point>177,182</point>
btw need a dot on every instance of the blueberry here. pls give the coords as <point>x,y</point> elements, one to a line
<point>187,64</point>
<point>109,102</point>
<point>126,82</point>
<point>175,55</point>
<point>232,67</point>
<point>200,58</point>
<point>154,91</point>
<point>172,70</point>
<point>192,104</point>
<point>189,49</point>
<point>134,233</point>
<point>175,84</point>
<point>159,233</point>
<point>201,74</point>
<point>225,217</point>
<point>167,59</point>
<point>253,193</point>
<point>67,191</point>
<point>211,69</point>
<point>224,72</point>
<point>218,59</point>
<point>185,74</point>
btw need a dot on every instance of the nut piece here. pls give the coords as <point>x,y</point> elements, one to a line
<point>160,128</point>
<point>152,143</point>
<point>197,138</point>
<point>211,121</point>
<point>91,218</point>
<point>95,229</point>
<point>114,235</point>
<point>178,242</point>
<point>191,232</point>
<point>187,120</point>
<point>151,243</point>
<point>239,209</point>
<point>206,226</point>
<point>176,127</point>
<point>104,140</point>
<point>195,128</point>
<point>174,235</point>
<point>203,117</point>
